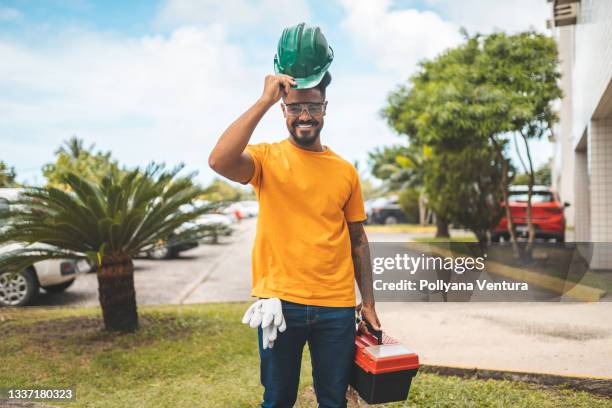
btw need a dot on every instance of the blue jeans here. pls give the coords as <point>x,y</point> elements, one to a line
<point>330,332</point>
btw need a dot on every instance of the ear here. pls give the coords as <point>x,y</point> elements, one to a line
<point>282,110</point>
<point>325,108</point>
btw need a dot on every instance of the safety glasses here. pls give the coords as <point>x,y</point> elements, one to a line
<point>296,109</point>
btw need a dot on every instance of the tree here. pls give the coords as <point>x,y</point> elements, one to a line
<point>443,109</point>
<point>475,95</point>
<point>369,190</point>
<point>73,157</point>
<point>465,186</point>
<point>7,175</point>
<point>74,146</point>
<point>220,190</point>
<point>108,223</point>
<point>401,168</point>
<point>409,203</point>
<point>542,176</point>
<point>525,67</point>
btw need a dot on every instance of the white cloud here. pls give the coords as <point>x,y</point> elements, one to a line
<point>169,97</point>
<point>396,39</point>
<point>154,98</point>
<point>353,125</point>
<point>237,14</point>
<point>9,14</point>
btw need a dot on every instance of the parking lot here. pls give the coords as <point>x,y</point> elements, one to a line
<point>219,272</point>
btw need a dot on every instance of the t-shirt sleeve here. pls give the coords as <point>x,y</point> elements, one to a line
<point>354,210</point>
<point>257,153</point>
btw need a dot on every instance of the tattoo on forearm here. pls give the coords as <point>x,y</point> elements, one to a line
<point>360,252</point>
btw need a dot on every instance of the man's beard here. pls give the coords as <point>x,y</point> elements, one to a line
<point>305,141</point>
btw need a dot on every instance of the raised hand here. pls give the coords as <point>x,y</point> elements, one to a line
<point>275,87</point>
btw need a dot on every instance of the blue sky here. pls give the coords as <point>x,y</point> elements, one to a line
<point>160,80</point>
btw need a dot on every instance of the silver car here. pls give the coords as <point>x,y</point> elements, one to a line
<point>51,275</point>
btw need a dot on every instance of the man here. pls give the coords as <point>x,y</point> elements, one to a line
<point>310,245</point>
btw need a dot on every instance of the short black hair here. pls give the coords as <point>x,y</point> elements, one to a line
<point>325,81</point>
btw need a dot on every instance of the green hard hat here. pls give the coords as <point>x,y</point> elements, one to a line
<point>304,54</point>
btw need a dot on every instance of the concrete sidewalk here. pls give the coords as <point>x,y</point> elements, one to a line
<point>571,339</point>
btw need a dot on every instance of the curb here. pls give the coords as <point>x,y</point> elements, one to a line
<point>575,291</point>
<point>597,386</point>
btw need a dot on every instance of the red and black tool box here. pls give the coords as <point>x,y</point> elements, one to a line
<point>383,369</point>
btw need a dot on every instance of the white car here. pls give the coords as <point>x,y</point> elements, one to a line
<point>246,209</point>
<point>53,276</point>
<point>215,219</point>
<point>250,208</point>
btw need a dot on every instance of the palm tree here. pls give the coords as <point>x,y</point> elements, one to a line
<point>74,146</point>
<point>107,223</point>
<point>7,175</point>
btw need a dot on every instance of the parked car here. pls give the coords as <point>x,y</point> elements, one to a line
<point>53,276</point>
<point>217,219</point>
<point>223,221</point>
<point>249,208</point>
<point>223,224</point>
<point>232,212</point>
<point>242,209</point>
<point>385,210</point>
<point>547,214</point>
<point>167,249</point>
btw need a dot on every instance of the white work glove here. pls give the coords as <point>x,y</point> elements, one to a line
<point>269,335</point>
<point>272,321</point>
<point>272,312</point>
<point>253,315</point>
<point>269,314</point>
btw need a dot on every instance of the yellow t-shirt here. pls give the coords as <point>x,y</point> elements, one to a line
<point>302,250</point>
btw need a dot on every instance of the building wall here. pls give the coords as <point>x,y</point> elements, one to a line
<point>592,113</point>
<point>563,163</point>
<point>592,68</point>
<point>582,202</point>
<point>600,178</point>
<point>588,95</point>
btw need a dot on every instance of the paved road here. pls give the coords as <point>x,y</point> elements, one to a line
<point>206,273</point>
<point>229,278</point>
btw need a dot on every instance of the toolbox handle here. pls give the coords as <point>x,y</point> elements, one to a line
<point>377,334</point>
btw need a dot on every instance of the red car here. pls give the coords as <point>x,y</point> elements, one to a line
<point>546,212</point>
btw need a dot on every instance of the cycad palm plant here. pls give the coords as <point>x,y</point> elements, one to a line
<point>108,223</point>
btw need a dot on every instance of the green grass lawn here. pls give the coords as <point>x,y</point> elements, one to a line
<point>197,356</point>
